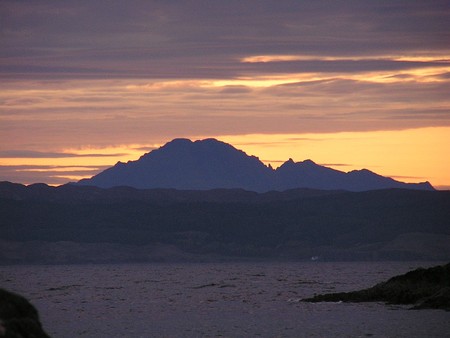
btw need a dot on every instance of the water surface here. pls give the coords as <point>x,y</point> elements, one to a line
<point>217,300</point>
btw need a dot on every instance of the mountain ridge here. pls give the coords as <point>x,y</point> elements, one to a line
<point>211,164</point>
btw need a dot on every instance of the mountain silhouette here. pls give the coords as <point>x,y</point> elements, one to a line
<point>186,165</point>
<point>211,164</point>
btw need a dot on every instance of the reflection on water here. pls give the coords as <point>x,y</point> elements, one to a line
<point>223,299</point>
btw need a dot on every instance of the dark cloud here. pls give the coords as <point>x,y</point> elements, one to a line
<point>206,39</point>
<point>235,90</point>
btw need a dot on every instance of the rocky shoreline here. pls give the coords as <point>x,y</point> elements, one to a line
<point>421,288</point>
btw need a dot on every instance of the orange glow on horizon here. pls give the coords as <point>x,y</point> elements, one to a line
<point>413,155</point>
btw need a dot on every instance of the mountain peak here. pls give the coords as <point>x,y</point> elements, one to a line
<point>178,142</point>
<point>291,164</point>
<point>209,143</point>
<point>308,162</point>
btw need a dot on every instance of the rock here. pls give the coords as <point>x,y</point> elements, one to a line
<point>424,288</point>
<point>18,317</point>
<point>440,300</point>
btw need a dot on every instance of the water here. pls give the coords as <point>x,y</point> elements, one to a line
<point>217,300</point>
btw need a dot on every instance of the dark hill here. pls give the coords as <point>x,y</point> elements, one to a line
<point>89,224</point>
<point>70,193</point>
<point>211,164</point>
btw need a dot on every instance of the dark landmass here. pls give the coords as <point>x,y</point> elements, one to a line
<point>211,164</point>
<point>70,193</point>
<point>80,224</point>
<point>18,317</point>
<point>423,288</point>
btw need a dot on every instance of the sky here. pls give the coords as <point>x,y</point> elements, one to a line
<point>347,84</point>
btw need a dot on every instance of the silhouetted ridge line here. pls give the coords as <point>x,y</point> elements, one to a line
<point>82,224</point>
<point>211,164</point>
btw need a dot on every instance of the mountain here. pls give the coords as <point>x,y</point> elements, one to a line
<point>308,174</point>
<point>211,164</point>
<point>186,165</point>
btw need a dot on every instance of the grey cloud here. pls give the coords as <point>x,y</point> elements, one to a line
<point>145,149</point>
<point>235,90</point>
<point>32,177</point>
<point>206,39</point>
<point>338,66</point>
<point>39,154</point>
<point>28,174</point>
<point>444,76</point>
<point>262,143</point>
<point>305,139</point>
<point>438,115</point>
<point>31,167</point>
<point>408,92</point>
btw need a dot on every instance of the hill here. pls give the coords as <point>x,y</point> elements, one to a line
<point>88,224</point>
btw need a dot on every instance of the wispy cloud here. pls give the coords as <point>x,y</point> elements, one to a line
<point>425,59</point>
<point>337,164</point>
<point>40,154</point>
<point>146,149</point>
<point>50,174</point>
<point>28,167</point>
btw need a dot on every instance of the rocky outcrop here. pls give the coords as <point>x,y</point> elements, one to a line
<point>18,317</point>
<point>423,288</point>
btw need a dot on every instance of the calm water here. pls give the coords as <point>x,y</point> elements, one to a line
<point>216,300</point>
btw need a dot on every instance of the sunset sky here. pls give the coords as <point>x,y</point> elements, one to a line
<point>348,84</point>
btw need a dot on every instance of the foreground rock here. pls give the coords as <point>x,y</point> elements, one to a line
<point>18,318</point>
<point>423,288</point>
